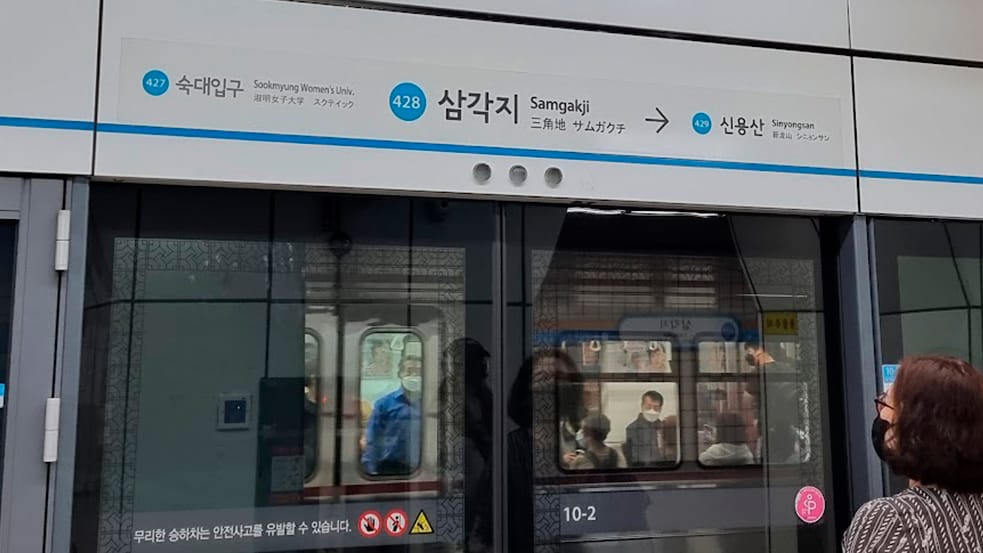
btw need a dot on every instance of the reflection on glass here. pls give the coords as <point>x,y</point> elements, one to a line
<point>392,438</point>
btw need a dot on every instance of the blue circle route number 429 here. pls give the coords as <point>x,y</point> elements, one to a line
<point>702,123</point>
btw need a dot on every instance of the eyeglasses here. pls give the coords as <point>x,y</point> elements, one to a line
<point>880,404</point>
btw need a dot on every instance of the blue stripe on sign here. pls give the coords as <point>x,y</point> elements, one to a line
<point>249,136</point>
<point>922,177</point>
<point>36,123</point>
<point>378,144</point>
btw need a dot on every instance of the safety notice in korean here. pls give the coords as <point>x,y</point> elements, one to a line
<point>290,528</point>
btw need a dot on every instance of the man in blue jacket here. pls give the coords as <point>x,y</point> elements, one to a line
<point>393,433</point>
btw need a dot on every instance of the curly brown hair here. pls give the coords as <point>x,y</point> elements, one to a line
<point>937,436</point>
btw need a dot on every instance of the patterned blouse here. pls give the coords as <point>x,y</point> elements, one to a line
<point>918,520</point>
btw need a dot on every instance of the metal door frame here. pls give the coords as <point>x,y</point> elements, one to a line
<point>34,203</point>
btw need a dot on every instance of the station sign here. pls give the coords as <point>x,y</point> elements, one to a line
<point>217,93</point>
<point>614,118</point>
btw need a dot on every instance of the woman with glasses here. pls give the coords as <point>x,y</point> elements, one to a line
<point>929,429</point>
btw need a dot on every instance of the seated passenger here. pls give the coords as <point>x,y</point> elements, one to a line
<point>365,412</point>
<point>392,436</point>
<point>381,359</point>
<point>658,359</point>
<point>595,453</point>
<point>643,441</point>
<point>731,443</point>
<point>670,433</point>
<point>639,362</point>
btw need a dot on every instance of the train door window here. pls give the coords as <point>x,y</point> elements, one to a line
<point>624,412</point>
<point>929,282</point>
<point>692,342</point>
<point>392,389</point>
<point>235,357</point>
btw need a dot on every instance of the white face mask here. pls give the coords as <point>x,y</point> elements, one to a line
<point>413,383</point>
<point>652,415</point>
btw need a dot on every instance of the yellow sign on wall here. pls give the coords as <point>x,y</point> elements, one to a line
<point>781,323</point>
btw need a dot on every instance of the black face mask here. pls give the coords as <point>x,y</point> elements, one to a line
<point>878,430</point>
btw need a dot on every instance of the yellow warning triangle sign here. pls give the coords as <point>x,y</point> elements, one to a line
<point>422,525</point>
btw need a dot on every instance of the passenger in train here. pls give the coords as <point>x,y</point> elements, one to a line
<point>593,452</point>
<point>639,362</point>
<point>365,411</point>
<point>780,439</point>
<point>670,432</point>
<point>381,364</point>
<point>392,436</point>
<point>927,429</point>
<point>761,360</point>
<point>591,395</point>
<point>571,395</point>
<point>730,442</point>
<point>658,359</point>
<point>644,438</point>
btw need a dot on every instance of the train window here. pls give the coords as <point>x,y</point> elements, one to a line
<point>730,412</point>
<point>727,435</point>
<point>615,417</point>
<point>621,356</point>
<point>392,384</point>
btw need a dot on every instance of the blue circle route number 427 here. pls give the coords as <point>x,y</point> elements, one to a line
<point>155,82</point>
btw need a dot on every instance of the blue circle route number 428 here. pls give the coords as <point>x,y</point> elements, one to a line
<point>407,101</point>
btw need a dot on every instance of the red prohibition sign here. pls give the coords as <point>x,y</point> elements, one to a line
<point>396,522</point>
<point>369,524</point>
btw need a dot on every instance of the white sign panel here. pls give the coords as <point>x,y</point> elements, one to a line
<point>348,116</point>
<point>821,22</point>
<point>47,99</point>
<point>231,93</point>
<point>917,128</point>
<point>942,28</point>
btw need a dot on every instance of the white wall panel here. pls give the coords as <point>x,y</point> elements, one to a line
<point>942,28</point>
<point>193,136</point>
<point>48,62</point>
<point>822,22</point>
<point>918,136</point>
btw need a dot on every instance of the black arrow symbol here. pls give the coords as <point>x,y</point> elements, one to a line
<point>662,119</point>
